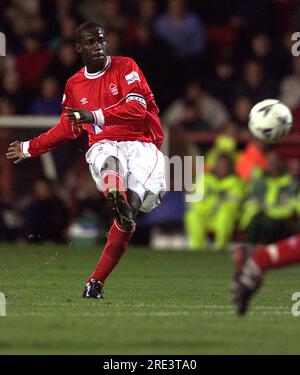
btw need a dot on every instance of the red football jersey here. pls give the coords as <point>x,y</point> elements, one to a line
<point>121,91</point>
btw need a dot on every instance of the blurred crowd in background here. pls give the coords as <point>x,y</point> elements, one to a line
<point>208,62</point>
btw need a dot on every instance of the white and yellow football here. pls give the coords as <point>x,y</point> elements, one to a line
<point>270,120</point>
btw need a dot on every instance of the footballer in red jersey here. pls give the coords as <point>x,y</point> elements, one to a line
<point>111,100</point>
<point>252,263</point>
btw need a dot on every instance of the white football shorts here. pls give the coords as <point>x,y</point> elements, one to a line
<point>143,166</point>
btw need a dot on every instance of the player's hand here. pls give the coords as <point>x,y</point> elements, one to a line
<point>14,152</point>
<point>79,116</point>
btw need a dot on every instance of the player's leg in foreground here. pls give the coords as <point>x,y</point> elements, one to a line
<point>125,205</point>
<point>251,264</point>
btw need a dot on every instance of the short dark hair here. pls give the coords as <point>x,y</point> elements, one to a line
<point>85,26</point>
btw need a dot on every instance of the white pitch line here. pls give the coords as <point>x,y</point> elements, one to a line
<point>142,305</point>
<point>211,312</point>
<point>86,314</point>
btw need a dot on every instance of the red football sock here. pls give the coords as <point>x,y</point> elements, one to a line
<point>115,247</point>
<point>112,180</point>
<point>278,255</point>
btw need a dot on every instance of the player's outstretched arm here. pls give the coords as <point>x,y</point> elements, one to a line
<point>65,130</point>
<point>14,152</point>
<point>62,132</point>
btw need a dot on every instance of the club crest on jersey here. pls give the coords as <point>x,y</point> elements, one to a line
<point>113,89</point>
<point>131,77</point>
<point>84,101</point>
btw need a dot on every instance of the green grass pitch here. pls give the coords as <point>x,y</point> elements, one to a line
<point>156,302</point>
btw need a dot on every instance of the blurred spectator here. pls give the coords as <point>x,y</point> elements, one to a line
<point>296,121</point>
<point>251,15</point>
<point>111,16</point>
<point>294,21</point>
<point>33,61</point>
<point>290,86</point>
<point>89,9</point>
<point>89,203</point>
<point>7,107</point>
<point>261,47</point>
<point>63,8</point>
<point>7,64</point>
<point>108,13</point>
<point>86,205</point>
<point>218,212</point>
<point>19,13</point>
<point>9,222</point>
<point>114,46</point>
<point>192,117</point>
<point>79,185</point>
<point>284,56</point>
<point>67,26</point>
<point>181,145</point>
<point>294,170</point>
<point>11,89</point>
<point>270,203</point>
<point>225,143</point>
<point>46,216</point>
<point>38,26</point>
<point>253,156</point>
<point>293,167</point>
<point>64,65</point>
<point>241,108</point>
<point>254,84</point>
<point>48,103</point>
<point>221,82</point>
<point>262,50</point>
<point>4,230</point>
<point>29,8</point>
<point>147,11</point>
<point>181,29</point>
<point>197,104</point>
<point>154,58</point>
